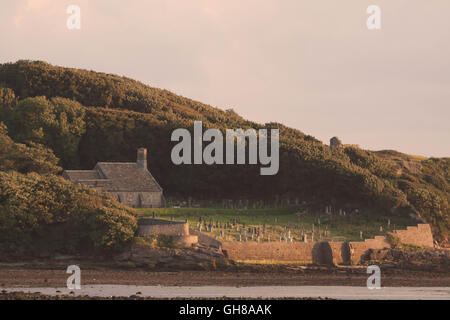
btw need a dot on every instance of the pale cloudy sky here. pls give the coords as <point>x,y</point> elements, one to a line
<point>312,65</point>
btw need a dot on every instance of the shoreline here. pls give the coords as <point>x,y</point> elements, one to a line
<point>56,276</point>
<point>225,292</point>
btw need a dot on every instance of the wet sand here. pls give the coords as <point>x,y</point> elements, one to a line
<point>357,277</point>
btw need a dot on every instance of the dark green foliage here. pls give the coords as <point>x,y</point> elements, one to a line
<point>31,157</point>
<point>370,161</point>
<point>7,102</point>
<point>57,123</point>
<point>47,214</point>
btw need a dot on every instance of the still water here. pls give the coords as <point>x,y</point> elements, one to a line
<point>335,292</point>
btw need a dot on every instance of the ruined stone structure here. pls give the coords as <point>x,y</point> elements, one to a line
<point>178,231</point>
<point>335,142</point>
<point>323,252</point>
<point>129,182</point>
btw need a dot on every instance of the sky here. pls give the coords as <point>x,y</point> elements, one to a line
<point>311,65</point>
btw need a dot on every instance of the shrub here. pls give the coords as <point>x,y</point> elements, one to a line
<point>45,213</point>
<point>58,123</point>
<point>393,240</point>
<point>30,157</point>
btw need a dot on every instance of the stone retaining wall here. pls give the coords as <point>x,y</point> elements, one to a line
<point>185,241</point>
<point>205,239</point>
<point>359,248</point>
<point>279,251</point>
<point>322,252</point>
<point>147,226</point>
<point>420,235</point>
<point>178,231</point>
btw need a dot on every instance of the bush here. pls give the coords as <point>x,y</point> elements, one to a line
<point>47,214</point>
<point>58,123</point>
<point>30,157</point>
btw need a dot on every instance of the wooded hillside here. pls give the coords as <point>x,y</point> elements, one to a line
<point>85,117</point>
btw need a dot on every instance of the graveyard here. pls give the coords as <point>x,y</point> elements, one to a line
<point>288,224</point>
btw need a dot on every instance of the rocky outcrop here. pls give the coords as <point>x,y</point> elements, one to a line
<point>415,259</point>
<point>180,259</point>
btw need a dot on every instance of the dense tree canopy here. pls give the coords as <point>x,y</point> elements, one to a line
<point>57,123</point>
<point>24,158</point>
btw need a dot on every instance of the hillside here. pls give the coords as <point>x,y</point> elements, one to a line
<point>85,117</point>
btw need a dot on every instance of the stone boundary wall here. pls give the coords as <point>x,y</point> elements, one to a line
<point>185,241</point>
<point>205,239</point>
<point>420,235</point>
<point>298,252</point>
<point>279,251</point>
<point>147,226</point>
<point>322,252</point>
<point>340,252</point>
<point>359,248</point>
<point>178,231</point>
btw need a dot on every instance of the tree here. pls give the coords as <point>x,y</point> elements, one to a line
<point>58,123</point>
<point>25,158</point>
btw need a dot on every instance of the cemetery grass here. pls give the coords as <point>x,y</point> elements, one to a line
<point>279,221</point>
